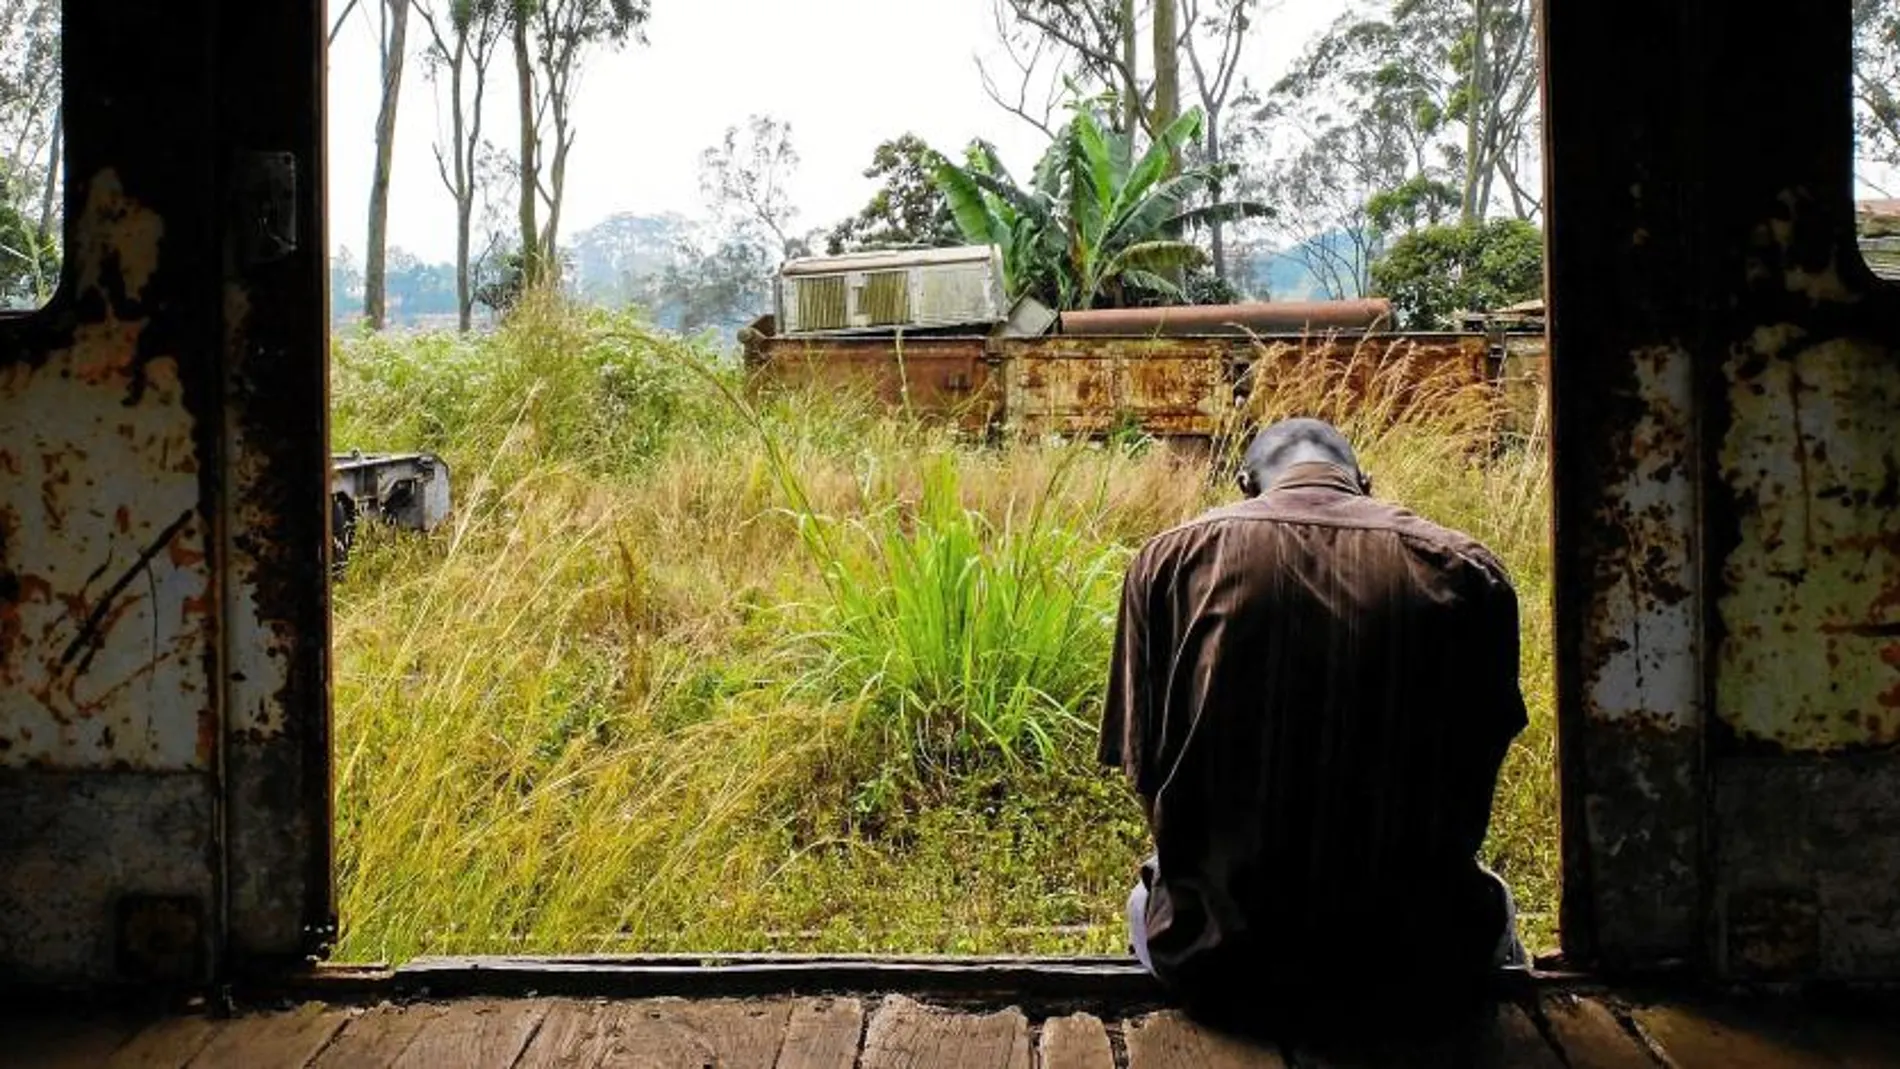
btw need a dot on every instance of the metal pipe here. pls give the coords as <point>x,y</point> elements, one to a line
<point>1266,317</point>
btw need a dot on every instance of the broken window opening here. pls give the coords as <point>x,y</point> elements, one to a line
<point>31,153</point>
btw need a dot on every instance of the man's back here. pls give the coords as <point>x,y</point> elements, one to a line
<point>1312,692</point>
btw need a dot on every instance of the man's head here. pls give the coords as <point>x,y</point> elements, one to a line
<point>1297,441</point>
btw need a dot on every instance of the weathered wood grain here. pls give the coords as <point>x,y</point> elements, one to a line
<point>1078,1041</point>
<point>822,1034</point>
<point>168,1044</point>
<point>375,1038</point>
<point>477,1033</point>
<point>729,1033</point>
<point>290,1039</point>
<point>905,1035</point>
<point>1171,1041</point>
<point>1590,1036</point>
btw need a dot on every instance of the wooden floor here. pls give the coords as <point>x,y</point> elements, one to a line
<point>1555,1030</point>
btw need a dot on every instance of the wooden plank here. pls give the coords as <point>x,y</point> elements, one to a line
<point>741,1034</point>
<point>574,1035</point>
<point>477,1034</point>
<point>290,1039</point>
<point>1590,1036</point>
<point>1077,1041</point>
<point>166,1044</point>
<point>822,1034</point>
<point>1171,1041</point>
<point>1514,1040</point>
<point>375,1038</point>
<point>1499,1036</point>
<point>63,1041</point>
<point>905,1035</point>
<point>1710,1038</point>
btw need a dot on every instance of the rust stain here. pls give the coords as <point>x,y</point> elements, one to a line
<point>1179,386</point>
<point>1811,458</point>
<point>102,551</point>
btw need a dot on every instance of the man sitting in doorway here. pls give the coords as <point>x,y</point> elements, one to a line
<point>1312,692</point>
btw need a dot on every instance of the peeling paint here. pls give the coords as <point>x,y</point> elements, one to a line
<point>1640,661</point>
<point>1811,601</point>
<point>105,585</point>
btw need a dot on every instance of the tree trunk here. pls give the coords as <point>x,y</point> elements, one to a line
<point>49,192</point>
<point>1217,231</point>
<point>1474,114</point>
<point>1167,70</point>
<point>375,271</point>
<point>530,169</point>
<point>1131,84</point>
<point>557,184</point>
<point>464,186</point>
<point>464,209</point>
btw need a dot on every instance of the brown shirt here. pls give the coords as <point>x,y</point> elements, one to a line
<point>1312,692</point>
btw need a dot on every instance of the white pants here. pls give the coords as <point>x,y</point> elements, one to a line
<point>1510,953</point>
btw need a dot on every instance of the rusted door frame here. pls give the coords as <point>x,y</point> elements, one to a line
<point>164,747</point>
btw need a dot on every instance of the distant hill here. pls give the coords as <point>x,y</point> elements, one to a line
<point>610,260</point>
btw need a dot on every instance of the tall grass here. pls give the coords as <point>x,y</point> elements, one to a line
<point>703,668</point>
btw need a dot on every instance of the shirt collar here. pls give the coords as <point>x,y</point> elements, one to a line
<point>1317,475</point>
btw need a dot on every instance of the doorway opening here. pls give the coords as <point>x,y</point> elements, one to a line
<point>704,658</point>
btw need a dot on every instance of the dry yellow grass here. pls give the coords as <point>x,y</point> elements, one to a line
<point>584,718</point>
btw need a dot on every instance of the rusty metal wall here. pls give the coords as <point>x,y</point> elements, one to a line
<point>109,624</point>
<point>1727,418</point>
<point>1085,386</point>
<point>159,564</point>
<point>1187,386</point>
<point>941,376</point>
<point>274,339</point>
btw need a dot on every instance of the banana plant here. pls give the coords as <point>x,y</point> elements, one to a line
<point>1095,220</point>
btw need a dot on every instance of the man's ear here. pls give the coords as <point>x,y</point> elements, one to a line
<point>1365,484</point>
<point>1246,483</point>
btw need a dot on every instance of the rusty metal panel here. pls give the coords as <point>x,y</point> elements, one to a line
<point>111,640</point>
<point>1728,449</point>
<point>1087,386</point>
<point>106,591</point>
<point>936,377</point>
<point>1811,587</point>
<point>276,476</point>
<point>78,847</point>
<point>1356,366</point>
<point>1624,327</point>
<point>1802,437</point>
<point>1194,386</point>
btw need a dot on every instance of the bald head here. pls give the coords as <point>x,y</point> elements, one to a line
<point>1296,441</point>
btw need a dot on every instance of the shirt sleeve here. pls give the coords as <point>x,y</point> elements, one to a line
<point>1125,711</point>
<point>1499,712</point>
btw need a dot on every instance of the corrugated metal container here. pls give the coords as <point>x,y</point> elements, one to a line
<point>920,289</point>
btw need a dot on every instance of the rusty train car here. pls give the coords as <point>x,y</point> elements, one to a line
<point>1177,373</point>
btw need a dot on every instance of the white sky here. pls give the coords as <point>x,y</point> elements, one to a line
<point>847,74</point>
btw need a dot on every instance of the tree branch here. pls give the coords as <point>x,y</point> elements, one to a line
<point>337,27</point>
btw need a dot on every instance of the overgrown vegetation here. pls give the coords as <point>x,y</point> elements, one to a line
<point>702,667</point>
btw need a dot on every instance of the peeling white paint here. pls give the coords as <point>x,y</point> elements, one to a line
<point>1644,633</point>
<point>106,645</point>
